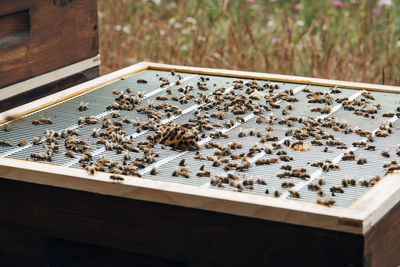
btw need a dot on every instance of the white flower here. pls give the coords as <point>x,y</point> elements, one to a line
<point>201,38</point>
<point>162,32</point>
<point>186,31</point>
<point>118,27</point>
<point>300,23</point>
<point>385,2</point>
<point>171,21</point>
<point>177,25</point>
<point>398,43</point>
<point>191,20</point>
<point>157,2</point>
<point>271,23</point>
<point>184,48</point>
<point>126,29</point>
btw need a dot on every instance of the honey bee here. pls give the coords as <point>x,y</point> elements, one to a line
<point>73,132</point>
<point>5,143</point>
<point>369,147</point>
<point>182,163</point>
<point>326,202</point>
<point>382,134</point>
<point>321,181</point>
<point>203,173</point>
<point>22,142</point>
<point>286,167</point>
<point>261,181</point>
<point>95,133</point>
<point>83,106</point>
<point>90,169</point>
<point>349,156</point>
<point>153,171</point>
<point>374,180</point>
<point>116,178</point>
<point>277,193</point>
<point>69,154</point>
<point>316,143</point>
<point>141,81</point>
<point>285,158</point>
<point>6,128</point>
<point>115,114</point>
<point>361,161</point>
<point>287,184</point>
<point>242,133</point>
<point>46,121</point>
<point>336,189</point>
<point>294,194</point>
<point>161,98</point>
<point>37,140</point>
<point>240,118</point>
<point>36,156</point>
<point>385,154</point>
<point>388,115</point>
<point>364,183</point>
<point>283,175</point>
<point>313,187</point>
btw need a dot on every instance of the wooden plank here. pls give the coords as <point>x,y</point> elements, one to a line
<point>74,220</point>
<point>59,36</point>
<point>255,206</point>
<point>382,241</point>
<point>49,77</point>
<point>276,77</point>
<point>49,89</point>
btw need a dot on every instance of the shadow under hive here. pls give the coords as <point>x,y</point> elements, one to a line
<point>284,140</point>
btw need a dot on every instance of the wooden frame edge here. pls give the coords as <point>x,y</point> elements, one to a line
<point>276,77</point>
<point>375,203</point>
<point>242,204</point>
<point>49,77</point>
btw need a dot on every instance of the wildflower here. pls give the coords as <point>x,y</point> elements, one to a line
<point>298,7</point>
<point>385,2</point>
<point>377,10</point>
<point>251,2</point>
<point>337,4</point>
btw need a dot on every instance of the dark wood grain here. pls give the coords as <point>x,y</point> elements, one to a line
<point>14,28</point>
<point>49,89</point>
<point>158,234</point>
<point>59,36</point>
<point>382,242</point>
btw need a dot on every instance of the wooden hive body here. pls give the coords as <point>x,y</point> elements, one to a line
<point>156,221</point>
<point>46,46</point>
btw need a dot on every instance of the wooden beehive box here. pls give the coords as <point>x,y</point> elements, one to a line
<point>46,46</point>
<point>63,214</point>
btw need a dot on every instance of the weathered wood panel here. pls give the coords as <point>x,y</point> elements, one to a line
<point>55,221</point>
<point>59,36</point>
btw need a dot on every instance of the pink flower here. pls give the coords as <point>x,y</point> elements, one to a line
<point>251,2</point>
<point>298,7</point>
<point>337,4</point>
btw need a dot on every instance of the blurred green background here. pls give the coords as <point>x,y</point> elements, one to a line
<point>355,40</point>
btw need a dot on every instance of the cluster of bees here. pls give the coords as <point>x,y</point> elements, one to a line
<point>218,111</point>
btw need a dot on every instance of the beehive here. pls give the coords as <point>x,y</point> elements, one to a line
<point>293,150</point>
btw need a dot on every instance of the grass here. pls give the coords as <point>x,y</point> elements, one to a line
<point>358,42</point>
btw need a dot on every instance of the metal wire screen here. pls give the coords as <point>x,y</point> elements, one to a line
<point>278,115</point>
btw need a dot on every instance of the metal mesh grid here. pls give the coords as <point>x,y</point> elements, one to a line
<point>65,114</point>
